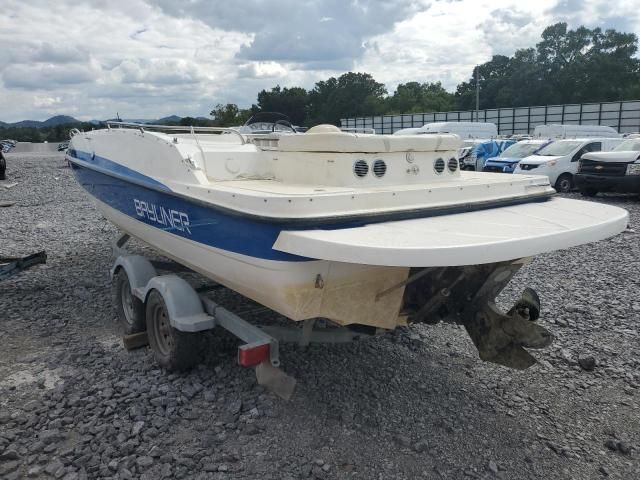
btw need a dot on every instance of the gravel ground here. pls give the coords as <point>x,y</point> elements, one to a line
<point>414,403</point>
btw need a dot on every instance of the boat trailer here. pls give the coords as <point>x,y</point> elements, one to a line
<point>169,315</point>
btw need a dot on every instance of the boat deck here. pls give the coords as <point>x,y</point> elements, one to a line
<point>487,236</point>
<point>273,199</point>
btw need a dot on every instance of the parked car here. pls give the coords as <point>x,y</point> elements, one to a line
<point>506,162</point>
<point>559,160</point>
<point>6,145</point>
<point>614,171</point>
<point>3,166</point>
<point>475,152</point>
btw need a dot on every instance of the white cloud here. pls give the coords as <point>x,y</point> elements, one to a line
<point>445,42</point>
<point>97,58</point>
<point>150,58</point>
<point>40,101</point>
<point>262,70</point>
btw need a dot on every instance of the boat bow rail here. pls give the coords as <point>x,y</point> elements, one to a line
<point>177,128</point>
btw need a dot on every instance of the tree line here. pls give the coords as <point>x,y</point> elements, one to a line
<point>52,134</point>
<point>566,66</point>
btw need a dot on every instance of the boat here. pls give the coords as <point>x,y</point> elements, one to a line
<point>367,231</point>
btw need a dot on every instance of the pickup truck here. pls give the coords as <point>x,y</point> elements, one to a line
<point>614,171</point>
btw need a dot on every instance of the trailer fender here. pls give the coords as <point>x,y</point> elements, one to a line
<point>183,303</point>
<point>139,270</point>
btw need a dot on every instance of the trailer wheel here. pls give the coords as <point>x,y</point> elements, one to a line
<point>129,308</point>
<point>564,184</point>
<point>173,349</point>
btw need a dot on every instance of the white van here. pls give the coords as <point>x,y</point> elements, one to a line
<point>465,130</point>
<point>559,160</point>
<point>574,131</point>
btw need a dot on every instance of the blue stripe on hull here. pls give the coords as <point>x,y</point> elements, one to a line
<point>180,217</point>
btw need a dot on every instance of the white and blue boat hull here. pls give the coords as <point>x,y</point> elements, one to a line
<point>320,250</point>
<point>237,251</point>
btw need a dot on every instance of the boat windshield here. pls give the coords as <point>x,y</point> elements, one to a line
<point>267,122</point>
<point>629,145</point>
<point>520,150</point>
<point>559,148</point>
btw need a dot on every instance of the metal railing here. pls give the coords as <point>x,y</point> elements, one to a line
<point>177,128</point>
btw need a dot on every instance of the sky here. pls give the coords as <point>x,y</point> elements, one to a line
<point>92,59</point>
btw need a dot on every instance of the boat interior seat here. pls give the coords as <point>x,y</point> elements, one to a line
<point>328,138</point>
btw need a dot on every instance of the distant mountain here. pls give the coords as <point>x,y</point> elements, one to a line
<point>51,122</point>
<point>169,119</point>
<point>65,119</point>
<point>27,124</point>
<point>59,120</point>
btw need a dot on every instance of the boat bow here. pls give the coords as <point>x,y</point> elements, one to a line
<point>486,236</point>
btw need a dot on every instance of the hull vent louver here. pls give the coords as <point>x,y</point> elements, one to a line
<point>379,168</point>
<point>438,166</point>
<point>361,168</point>
<point>453,165</point>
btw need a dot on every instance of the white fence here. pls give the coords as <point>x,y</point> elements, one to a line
<point>623,116</point>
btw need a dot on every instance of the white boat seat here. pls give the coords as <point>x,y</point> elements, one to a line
<point>325,139</point>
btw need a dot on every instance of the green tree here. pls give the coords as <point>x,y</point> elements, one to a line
<point>229,115</point>
<point>290,101</point>
<point>414,97</point>
<point>350,95</point>
<point>567,66</point>
<point>494,78</point>
<point>57,133</point>
<point>196,122</point>
<point>588,65</point>
<point>526,85</point>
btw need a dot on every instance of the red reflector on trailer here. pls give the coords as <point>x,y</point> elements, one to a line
<point>249,355</point>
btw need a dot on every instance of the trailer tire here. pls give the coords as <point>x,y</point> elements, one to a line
<point>564,183</point>
<point>173,350</point>
<point>129,308</point>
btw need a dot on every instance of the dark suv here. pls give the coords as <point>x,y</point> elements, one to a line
<point>614,171</point>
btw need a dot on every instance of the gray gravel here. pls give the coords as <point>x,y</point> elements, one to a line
<point>414,403</point>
